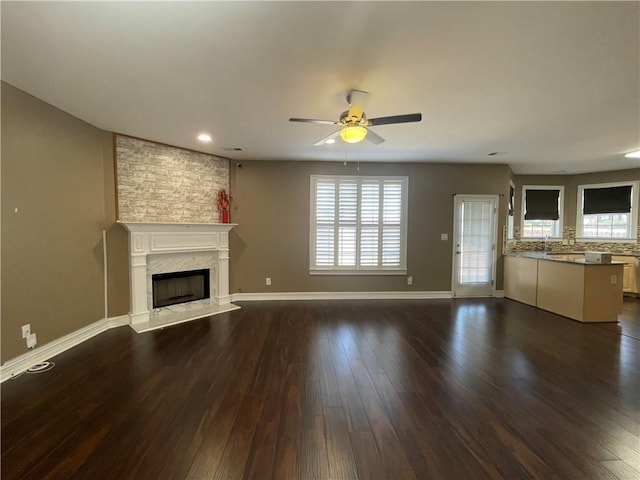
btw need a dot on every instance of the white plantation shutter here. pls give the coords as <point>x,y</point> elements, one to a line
<point>392,217</point>
<point>325,212</point>
<point>370,203</point>
<point>369,218</point>
<point>358,223</point>
<point>369,246</point>
<point>391,246</point>
<point>347,220</point>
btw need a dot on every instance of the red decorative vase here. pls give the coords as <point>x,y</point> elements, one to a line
<point>225,215</point>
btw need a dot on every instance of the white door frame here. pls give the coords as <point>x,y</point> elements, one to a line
<point>496,203</point>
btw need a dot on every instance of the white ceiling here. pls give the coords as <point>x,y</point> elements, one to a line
<point>554,84</point>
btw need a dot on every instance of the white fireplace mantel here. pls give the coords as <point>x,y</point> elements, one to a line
<point>176,238</point>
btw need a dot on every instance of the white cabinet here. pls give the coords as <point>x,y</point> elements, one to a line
<point>630,281</point>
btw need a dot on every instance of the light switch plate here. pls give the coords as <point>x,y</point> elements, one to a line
<point>444,236</point>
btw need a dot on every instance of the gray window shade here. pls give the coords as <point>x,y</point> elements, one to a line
<point>607,200</point>
<point>512,194</point>
<point>542,205</point>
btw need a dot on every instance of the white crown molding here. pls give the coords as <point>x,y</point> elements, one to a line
<point>40,354</point>
<point>412,295</point>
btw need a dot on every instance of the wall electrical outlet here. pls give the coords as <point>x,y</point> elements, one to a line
<point>32,340</point>
<point>409,280</point>
<point>267,281</point>
<point>614,279</point>
<point>26,330</point>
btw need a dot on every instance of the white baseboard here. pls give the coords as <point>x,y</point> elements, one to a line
<point>400,295</point>
<point>51,349</point>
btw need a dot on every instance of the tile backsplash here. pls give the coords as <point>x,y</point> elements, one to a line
<point>569,233</point>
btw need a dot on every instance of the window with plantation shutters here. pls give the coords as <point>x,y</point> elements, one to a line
<point>358,224</point>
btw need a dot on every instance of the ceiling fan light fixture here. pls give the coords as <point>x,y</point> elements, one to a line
<point>353,133</point>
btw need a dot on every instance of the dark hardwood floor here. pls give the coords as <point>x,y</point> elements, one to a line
<point>439,389</point>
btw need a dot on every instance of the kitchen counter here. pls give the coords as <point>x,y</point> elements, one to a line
<point>568,286</point>
<point>561,257</point>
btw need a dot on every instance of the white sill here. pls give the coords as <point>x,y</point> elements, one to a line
<point>607,240</point>
<point>540,239</point>
<point>357,272</point>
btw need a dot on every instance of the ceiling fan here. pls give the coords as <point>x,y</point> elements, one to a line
<point>353,123</point>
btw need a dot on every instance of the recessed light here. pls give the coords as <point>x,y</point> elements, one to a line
<point>331,140</point>
<point>635,154</point>
<point>204,137</point>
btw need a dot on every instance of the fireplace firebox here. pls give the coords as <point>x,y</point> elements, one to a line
<point>180,287</point>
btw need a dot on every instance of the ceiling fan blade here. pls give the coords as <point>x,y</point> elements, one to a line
<point>410,117</point>
<point>310,120</point>
<point>356,100</point>
<point>328,137</point>
<point>374,138</point>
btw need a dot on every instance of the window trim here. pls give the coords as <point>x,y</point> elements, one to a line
<point>560,210</point>
<point>635,194</point>
<point>358,270</point>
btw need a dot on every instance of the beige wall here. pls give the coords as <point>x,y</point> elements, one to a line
<point>117,238</point>
<point>53,173</point>
<point>271,205</point>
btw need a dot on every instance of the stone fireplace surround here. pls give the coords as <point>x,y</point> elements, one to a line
<point>175,247</point>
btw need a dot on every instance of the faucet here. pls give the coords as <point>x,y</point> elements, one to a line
<point>545,238</point>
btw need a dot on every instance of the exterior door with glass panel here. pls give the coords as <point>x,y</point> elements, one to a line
<point>474,242</point>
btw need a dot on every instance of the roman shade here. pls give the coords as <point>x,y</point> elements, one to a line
<point>607,200</point>
<point>542,205</point>
<point>512,193</point>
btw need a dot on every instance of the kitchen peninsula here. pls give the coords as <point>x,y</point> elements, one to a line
<point>568,286</point>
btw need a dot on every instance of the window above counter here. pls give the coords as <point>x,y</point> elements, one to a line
<point>607,211</point>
